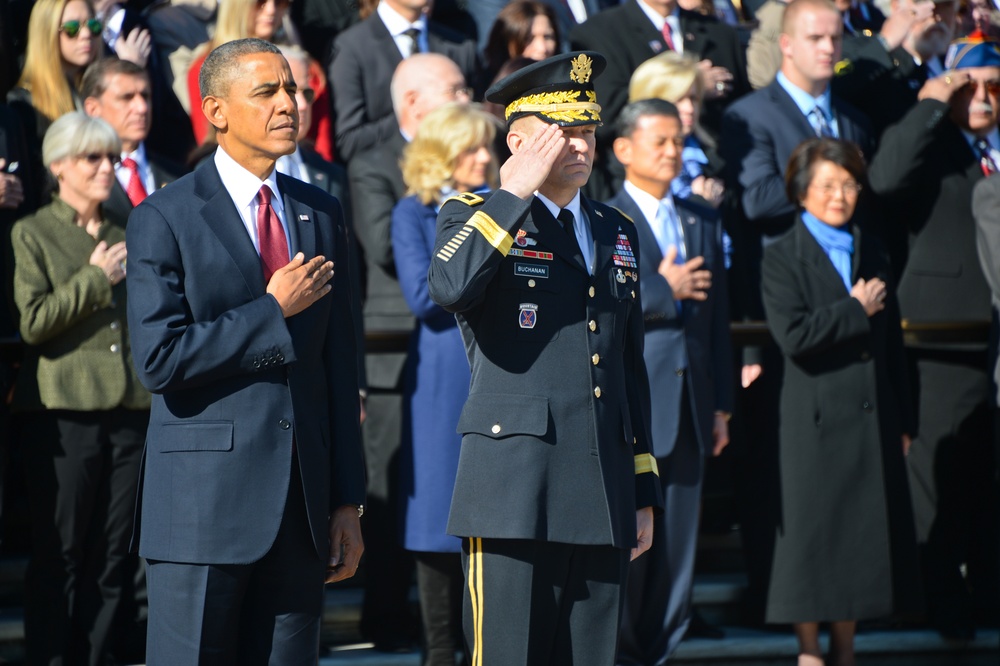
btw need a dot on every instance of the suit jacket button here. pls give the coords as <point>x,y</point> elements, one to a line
<point>592,291</point>
<point>281,358</point>
<point>867,406</point>
<point>592,325</point>
<point>596,358</point>
<point>496,429</point>
<point>597,391</point>
<point>679,372</point>
<point>284,424</point>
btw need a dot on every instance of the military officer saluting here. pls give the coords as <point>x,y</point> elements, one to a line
<point>556,486</point>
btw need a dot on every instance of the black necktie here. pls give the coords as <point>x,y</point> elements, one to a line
<point>565,217</point>
<point>414,36</point>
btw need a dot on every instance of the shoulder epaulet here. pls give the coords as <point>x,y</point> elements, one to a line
<point>623,214</point>
<point>468,198</point>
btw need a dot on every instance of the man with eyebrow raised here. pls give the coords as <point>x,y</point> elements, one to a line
<point>254,482</point>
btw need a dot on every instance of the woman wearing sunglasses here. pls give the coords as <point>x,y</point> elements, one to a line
<point>83,412</point>
<point>63,38</point>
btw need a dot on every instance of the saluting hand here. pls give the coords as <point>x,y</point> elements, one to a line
<point>299,283</point>
<point>943,87</point>
<point>531,160</point>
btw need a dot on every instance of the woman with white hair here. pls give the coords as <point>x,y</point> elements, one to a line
<point>84,413</point>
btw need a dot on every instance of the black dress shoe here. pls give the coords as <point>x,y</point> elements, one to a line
<point>700,628</point>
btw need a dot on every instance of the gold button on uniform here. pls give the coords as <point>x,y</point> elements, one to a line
<point>531,283</point>
<point>592,325</point>
<point>597,391</point>
<point>496,428</point>
<point>633,293</point>
<point>596,358</point>
<point>592,291</point>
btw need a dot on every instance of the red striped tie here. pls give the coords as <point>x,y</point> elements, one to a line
<point>667,37</point>
<point>136,191</point>
<point>270,235</point>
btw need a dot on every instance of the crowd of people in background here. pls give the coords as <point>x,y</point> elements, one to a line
<point>825,166</point>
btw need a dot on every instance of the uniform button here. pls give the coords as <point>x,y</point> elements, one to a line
<point>592,291</point>
<point>596,358</point>
<point>496,428</point>
<point>865,356</point>
<point>597,391</point>
<point>114,349</point>
<point>679,372</point>
<point>531,283</point>
<point>633,293</point>
<point>115,326</point>
<point>867,406</point>
<point>592,325</point>
<point>284,424</point>
<point>634,441</point>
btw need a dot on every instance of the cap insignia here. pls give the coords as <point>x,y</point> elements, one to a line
<point>581,67</point>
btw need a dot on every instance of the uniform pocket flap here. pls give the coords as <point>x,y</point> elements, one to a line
<point>502,414</point>
<point>202,436</point>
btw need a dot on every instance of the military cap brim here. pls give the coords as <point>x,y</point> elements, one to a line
<point>558,90</point>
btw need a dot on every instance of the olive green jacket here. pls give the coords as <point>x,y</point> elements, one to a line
<point>78,355</point>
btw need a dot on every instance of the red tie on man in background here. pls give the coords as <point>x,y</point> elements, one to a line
<point>667,36</point>
<point>136,191</point>
<point>270,235</point>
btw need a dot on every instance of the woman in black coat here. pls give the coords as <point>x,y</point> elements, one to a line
<point>846,548</point>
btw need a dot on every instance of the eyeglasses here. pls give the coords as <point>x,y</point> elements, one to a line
<point>849,189</point>
<point>94,159</point>
<point>72,28</point>
<point>992,86</point>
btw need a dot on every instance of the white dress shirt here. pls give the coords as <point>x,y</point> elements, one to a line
<point>581,225</point>
<point>672,20</point>
<point>397,26</point>
<point>243,187</point>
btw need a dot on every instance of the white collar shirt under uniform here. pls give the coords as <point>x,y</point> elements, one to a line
<point>581,225</point>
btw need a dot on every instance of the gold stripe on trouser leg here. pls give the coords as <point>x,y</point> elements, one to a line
<point>476,597</point>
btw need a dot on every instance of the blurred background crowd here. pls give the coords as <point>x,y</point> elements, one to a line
<point>102,108</point>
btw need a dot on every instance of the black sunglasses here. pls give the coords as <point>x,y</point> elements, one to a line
<point>93,159</point>
<point>72,28</point>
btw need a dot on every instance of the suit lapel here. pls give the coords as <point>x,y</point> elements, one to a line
<point>645,34</point>
<point>224,220</point>
<point>693,33</point>
<point>694,233</point>
<point>301,222</point>
<point>791,109</point>
<point>384,43</point>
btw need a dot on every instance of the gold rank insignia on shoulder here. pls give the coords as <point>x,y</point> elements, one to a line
<point>468,198</point>
<point>843,67</point>
<point>580,69</point>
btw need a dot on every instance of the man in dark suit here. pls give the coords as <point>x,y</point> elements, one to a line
<point>925,170</point>
<point>254,480</point>
<point>634,32</point>
<point>759,133</point>
<point>118,92</point>
<point>556,485</point>
<point>688,359</point>
<point>420,84</point>
<point>364,59</point>
<point>986,210</point>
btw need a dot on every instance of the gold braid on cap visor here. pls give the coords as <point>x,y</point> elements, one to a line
<point>561,105</point>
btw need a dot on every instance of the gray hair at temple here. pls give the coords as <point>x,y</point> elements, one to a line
<point>629,116</point>
<point>219,67</point>
<point>75,133</point>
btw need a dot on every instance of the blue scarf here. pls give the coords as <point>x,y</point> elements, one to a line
<point>838,243</point>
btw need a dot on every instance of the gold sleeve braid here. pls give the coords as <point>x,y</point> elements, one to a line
<point>484,224</point>
<point>645,462</point>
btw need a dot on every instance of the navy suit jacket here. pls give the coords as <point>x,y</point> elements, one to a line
<point>236,385</point>
<point>696,338</point>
